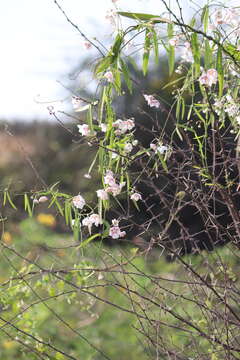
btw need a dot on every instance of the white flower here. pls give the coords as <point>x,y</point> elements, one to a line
<point>162,149</point>
<point>238,119</point>
<point>114,155</point>
<point>109,76</point>
<point>115,222</point>
<point>128,147</point>
<point>103,127</point>
<point>174,41</point>
<point>90,220</point>
<point>95,219</point>
<point>187,53</point>
<point>87,176</point>
<point>136,196</point>
<point>102,194</point>
<point>84,129</point>
<point>87,222</point>
<point>78,201</point>
<point>152,102</point>
<point>43,199</point>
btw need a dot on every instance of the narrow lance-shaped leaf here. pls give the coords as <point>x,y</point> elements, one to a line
<point>171,51</point>
<point>126,76</point>
<point>155,46</point>
<point>196,53</point>
<point>144,17</point>
<point>220,71</point>
<point>207,55</point>
<point>146,51</point>
<point>205,18</point>
<point>27,206</point>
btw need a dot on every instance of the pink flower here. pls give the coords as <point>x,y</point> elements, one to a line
<point>136,196</point>
<point>115,231</point>
<point>84,129</point>
<point>123,126</point>
<point>115,188</point>
<point>78,201</point>
<point>111,16</point>
<point>209,78</point>
<point>102,194</point>
<point>109,76</point>
<point>87,45</point>
<point>153,147</point>
<point>152,102</point>
<point>109,178</point>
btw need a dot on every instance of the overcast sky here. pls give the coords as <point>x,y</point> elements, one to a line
<point>39,48</point>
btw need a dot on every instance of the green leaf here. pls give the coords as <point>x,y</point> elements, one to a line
<point>171,51</point>
<point>155,46</point>
<point>232,50</point>
<point>88,240</point>
<point>207,55</point>
<point>115,51</point>
<point>147,46</point>
<point>144,17</point>
<point>205,18</point>
<point>10,201</point>
<point>103,65</point>
<point>220,71</point>
<point>126,76</point>
<point>27,206</point>
<point>196,53</point>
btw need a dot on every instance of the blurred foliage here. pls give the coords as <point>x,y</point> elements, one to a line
<point>48,307</point>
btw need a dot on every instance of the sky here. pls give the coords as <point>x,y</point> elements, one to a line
<point>39,49</point>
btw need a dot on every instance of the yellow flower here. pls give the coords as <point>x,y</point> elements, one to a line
<point>46,219</point>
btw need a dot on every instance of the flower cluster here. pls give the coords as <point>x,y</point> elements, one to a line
<point>151,101</point>
<point>209,78</point>
<point>122,126</point>
<point>227,105</point>
<point>78,201</point>
<point>115,231</point>
<point>113,187</point>
<point>187,53</point>
<point>93,219</point>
